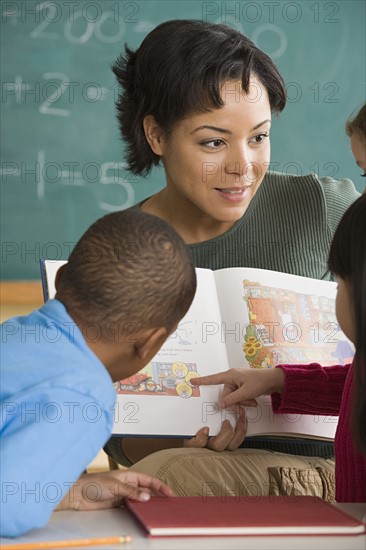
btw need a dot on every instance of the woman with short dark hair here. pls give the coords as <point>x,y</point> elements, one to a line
<point>198,98</point>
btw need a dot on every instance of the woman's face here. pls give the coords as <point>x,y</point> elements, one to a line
<point>216,161</point>
<point>358,146</point>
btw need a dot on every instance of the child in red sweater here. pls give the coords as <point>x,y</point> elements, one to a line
<point>313,389</point>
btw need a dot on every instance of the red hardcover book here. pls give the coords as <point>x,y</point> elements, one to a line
<point>213,516</point>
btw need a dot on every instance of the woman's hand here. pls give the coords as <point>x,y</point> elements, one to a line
<point>109,489</point>
<point>228,439</point>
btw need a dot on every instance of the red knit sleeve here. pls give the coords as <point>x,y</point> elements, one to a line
<point>311,389</point>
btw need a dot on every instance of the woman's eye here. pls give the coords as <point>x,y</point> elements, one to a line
<point>260,138</point>
<point>213,143</point>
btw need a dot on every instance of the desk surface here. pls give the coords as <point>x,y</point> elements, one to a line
<point>66,525</point>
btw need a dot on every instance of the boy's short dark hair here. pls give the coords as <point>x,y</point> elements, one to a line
<point>179,69</point>
<point>130,270</point>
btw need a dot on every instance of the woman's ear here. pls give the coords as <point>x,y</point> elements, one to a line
<point>154,135</point>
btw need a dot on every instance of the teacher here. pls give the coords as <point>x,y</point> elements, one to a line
<point>199,99</point>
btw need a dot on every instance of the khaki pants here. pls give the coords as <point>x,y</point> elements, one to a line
<point>244,472</point>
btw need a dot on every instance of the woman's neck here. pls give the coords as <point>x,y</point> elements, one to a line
<point>193,225</point>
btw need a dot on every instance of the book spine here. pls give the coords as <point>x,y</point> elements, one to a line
<point>44,280</point>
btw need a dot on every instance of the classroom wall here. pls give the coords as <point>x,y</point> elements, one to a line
<point>62,159</point>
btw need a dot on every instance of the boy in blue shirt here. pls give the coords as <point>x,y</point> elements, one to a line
<point>126,285</point>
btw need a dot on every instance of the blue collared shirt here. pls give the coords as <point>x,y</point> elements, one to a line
<point>57,402</point>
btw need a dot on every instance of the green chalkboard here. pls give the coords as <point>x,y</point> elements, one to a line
<point>62,163</point>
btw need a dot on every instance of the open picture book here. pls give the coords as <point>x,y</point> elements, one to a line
<point>240,317</point>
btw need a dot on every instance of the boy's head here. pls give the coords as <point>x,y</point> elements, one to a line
<point>129,274</point>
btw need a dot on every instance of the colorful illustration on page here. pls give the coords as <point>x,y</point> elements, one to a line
<point>291,327</point>
<point>158,378</point>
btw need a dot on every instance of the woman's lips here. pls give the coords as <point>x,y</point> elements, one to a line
<point>232,194</point>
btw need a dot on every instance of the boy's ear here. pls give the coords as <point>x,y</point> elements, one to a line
<point>150,342</point>
<point>154,135</point>
<point>59,275</point>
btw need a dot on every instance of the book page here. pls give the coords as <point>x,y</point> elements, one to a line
<point>159,400</point>
<point>269,318</point>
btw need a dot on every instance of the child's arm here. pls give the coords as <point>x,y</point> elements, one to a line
<point>304,389</point>
<point>243,386</point>
<point>311,389</point>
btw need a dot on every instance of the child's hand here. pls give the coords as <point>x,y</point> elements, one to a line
<point>109,489</point>
<point>242,386</point>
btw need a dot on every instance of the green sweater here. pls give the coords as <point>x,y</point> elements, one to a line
<point>287,227</point>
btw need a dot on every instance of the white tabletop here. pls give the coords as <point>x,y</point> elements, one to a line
<point>117,522</point>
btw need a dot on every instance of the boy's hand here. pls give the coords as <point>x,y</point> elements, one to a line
<point>109,489</point>
<point>242,386</point>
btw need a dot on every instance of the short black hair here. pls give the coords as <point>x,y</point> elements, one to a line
<point>129,269</point>
<point>347,259</point>
<point>179,69</point>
